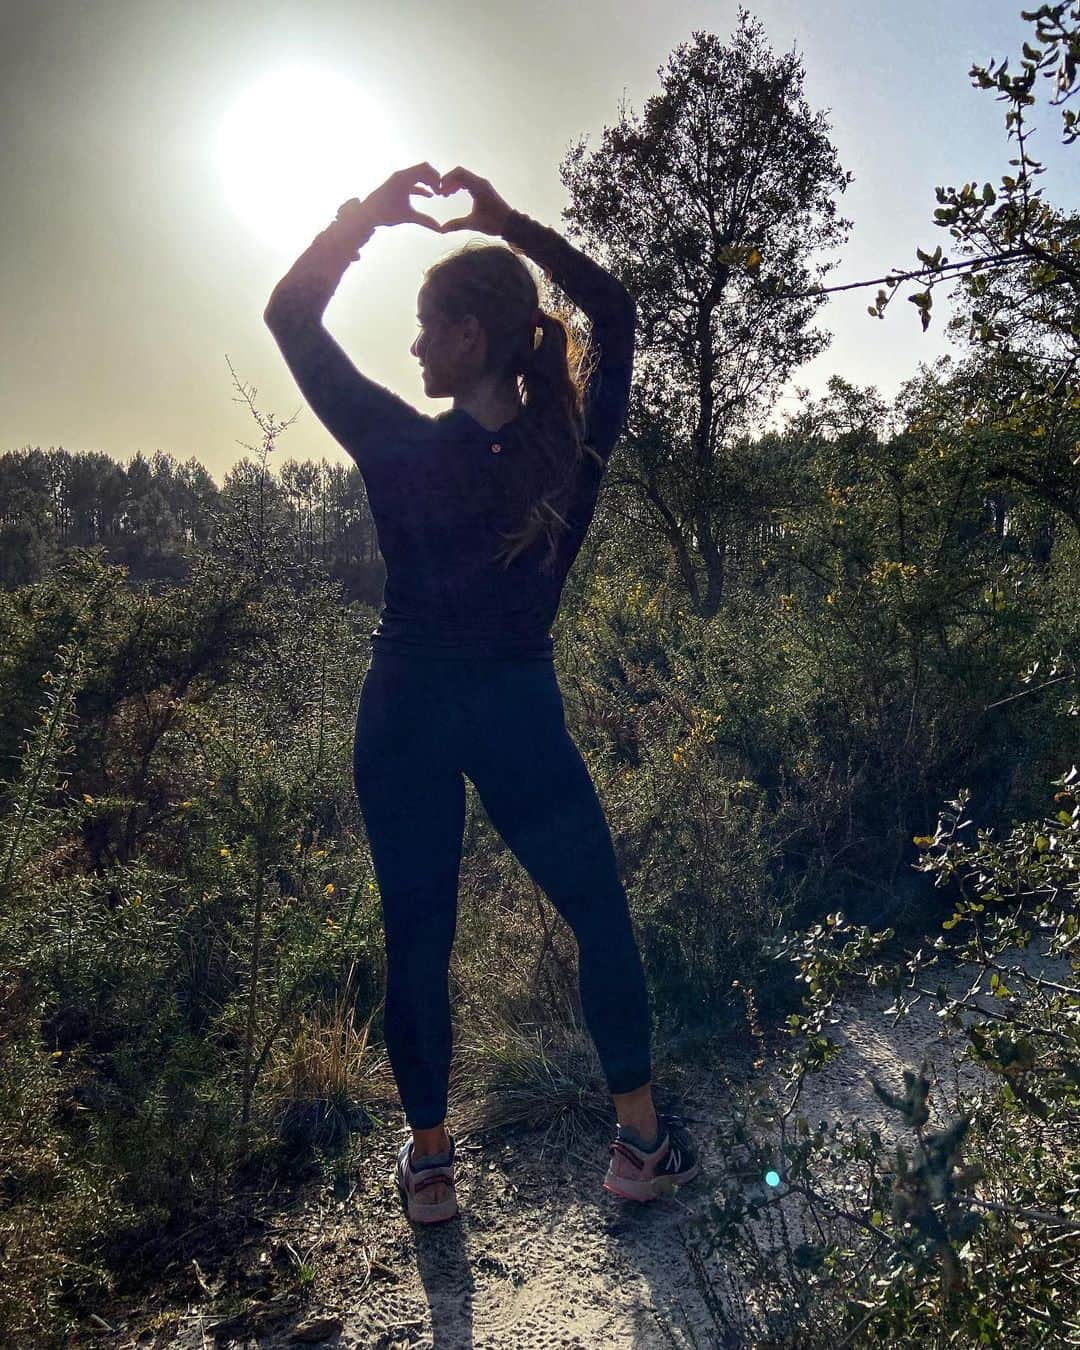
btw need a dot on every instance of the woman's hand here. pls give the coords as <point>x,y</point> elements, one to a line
<point>390,204</point>
<point>489,211</point>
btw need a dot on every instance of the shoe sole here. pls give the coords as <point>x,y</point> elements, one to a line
<point>626,1188</point>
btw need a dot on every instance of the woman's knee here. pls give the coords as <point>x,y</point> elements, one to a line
<point>602,923</point>
<point>414,944</point>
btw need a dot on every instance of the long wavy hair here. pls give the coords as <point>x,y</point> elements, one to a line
<point>492,282</point>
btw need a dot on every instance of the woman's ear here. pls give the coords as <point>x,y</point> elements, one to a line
<point>473,334</point>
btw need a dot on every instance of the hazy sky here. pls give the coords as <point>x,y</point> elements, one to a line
<point>155,181</point>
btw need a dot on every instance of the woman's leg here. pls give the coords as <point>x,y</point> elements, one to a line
<point>412,797</point>
<point>537,791</point>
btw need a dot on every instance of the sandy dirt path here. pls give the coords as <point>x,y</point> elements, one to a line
<point>541,1257</point>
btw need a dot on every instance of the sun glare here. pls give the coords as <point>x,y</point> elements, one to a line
<point>294,146</point>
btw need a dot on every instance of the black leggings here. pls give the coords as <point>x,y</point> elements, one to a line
<point>422,722</point>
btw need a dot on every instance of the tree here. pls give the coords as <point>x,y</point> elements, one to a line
<point>727,185</point>
<point>196,499</point>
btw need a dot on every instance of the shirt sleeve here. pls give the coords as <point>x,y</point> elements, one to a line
<point>612,316</point>
<point>364,417</point>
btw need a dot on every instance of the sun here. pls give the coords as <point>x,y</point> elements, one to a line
<point>294,146</point>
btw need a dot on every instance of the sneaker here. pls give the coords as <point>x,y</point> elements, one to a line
<point>638,1173</point>
<point>414,1175</point>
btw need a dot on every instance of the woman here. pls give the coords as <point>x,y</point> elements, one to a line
<point>480,512</point>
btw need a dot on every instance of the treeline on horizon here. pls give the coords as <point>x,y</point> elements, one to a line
<point>155,515</point>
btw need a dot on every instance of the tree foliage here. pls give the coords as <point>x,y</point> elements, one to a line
<point>728,182</point>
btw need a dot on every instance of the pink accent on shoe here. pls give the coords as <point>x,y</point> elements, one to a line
<point>410,1183</point>
<point>634,1174</point>
<point>619,1147</point>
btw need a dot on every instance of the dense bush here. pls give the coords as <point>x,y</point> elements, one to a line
<point>180,881</point>
<point>959,1226</point>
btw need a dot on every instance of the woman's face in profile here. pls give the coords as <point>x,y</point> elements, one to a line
<point>444,350</point>
<point>425,346</point>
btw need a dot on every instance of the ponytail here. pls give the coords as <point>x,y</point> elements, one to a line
<point>553,368</point>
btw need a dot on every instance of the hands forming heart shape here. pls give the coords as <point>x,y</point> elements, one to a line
<point>390,204</point>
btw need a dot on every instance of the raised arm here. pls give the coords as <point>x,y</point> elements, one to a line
<point>363,416</point>
<point>601,296</point>
<point>610,310</point>
<point>605,301</point>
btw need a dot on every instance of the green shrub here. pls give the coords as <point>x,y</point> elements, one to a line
<point>962,1230</point>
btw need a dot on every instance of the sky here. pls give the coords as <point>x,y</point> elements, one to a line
<point>163,164</point>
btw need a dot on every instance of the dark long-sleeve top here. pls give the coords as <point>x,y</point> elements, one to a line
<point>439,487</point>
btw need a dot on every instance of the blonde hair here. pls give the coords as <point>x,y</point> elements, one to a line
<point>491,282</point>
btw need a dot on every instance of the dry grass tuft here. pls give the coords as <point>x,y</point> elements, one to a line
<point>329,1071</point>
<point>529,1075</point>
